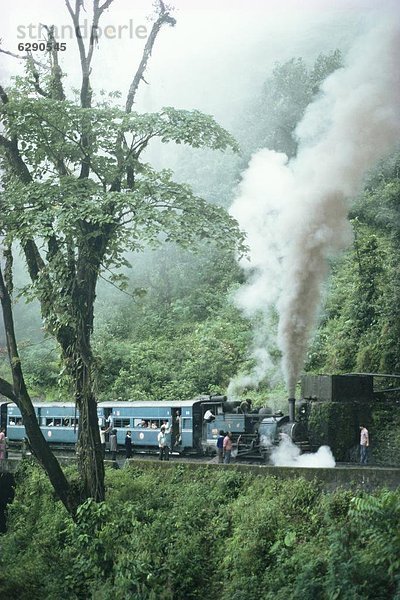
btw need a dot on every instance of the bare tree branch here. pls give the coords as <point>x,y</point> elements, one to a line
<point>6,390</point>
<point>86,59</point>
<point>163,18</point>
<point>57,88</point>
<point>20,57</point>
<point>106,5</point>
<point>97,12</point>
<point>82,52</point>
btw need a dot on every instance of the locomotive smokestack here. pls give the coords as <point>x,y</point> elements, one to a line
<point>292,402</point>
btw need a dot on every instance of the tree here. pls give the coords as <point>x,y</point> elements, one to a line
<point>77,195</point>
<point>283,101</point>
<point>360,327</point>
<point>18,393</point>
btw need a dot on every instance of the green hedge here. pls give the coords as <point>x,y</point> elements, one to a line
<point>179,534</point>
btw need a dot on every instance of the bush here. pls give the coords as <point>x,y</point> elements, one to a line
<point>185,534</point>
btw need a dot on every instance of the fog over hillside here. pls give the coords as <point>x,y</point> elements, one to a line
<point>216,59</point>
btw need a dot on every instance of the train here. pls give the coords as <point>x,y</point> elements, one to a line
<point>191,429</point>
<point>329,413</point>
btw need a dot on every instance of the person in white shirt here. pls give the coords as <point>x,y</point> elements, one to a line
<point>364,445</point>
<point>208,416</point>
<point>163,444</point>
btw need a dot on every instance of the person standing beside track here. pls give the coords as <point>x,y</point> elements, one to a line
<point>2,444</point>
<point>162,444</point>
<point>364,445</point>
<point>220,447</point>
<point>128,445</point>
<point>227,446</point>
<point>103,432</point>
<point>113,444</point>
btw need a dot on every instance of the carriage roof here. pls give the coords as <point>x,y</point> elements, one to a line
<point>149,403</point>
<point>123,404</point>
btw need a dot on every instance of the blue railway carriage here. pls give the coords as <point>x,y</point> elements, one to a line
<point>144,420</point>
<point>58,421</point>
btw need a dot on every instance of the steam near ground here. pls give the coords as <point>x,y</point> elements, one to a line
<point>295,213</point>
<point>288,454</point>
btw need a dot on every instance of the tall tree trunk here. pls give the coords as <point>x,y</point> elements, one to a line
<point>80,358</point>
<point>89,451</point>
<point>19,394</point>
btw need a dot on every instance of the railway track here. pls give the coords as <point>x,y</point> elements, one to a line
<point>348,476</point>
<point>69,455</point>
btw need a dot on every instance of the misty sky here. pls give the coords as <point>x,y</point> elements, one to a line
<point>216,57</point>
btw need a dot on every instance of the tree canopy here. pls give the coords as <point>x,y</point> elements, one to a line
<point>77,195</point>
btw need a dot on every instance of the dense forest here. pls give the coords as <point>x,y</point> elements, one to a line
<point>167,325</point>
<point>179,534</point>
<point>120,268</point>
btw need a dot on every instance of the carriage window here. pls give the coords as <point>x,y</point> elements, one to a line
<point>15,421</point>
<point>58,422</point>
<point>122,423</point>
<point>143,423</point>
<point>149,423</point>
<point>186,423</point>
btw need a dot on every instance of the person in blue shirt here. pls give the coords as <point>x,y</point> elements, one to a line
<point>220,446</point>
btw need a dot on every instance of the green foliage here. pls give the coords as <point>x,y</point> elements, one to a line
<point>200,359</point>
<point>284,99</point>
<point>50,130</point>
<point>181,337</point>
<point>386,433</point>
<point>33,504</point>
<point>336,425</point>
<point>359,330</point>
<point>378,517</point>
<point>184,534</point>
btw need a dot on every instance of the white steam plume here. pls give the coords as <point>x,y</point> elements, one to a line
<point>288,454</point>
<point>295,213</point>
